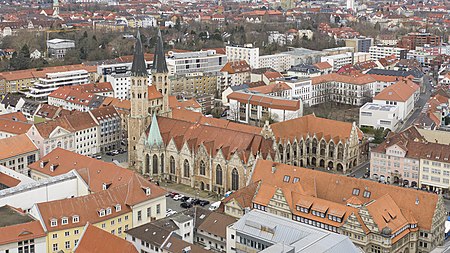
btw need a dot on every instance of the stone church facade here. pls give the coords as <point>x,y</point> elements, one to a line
<point>218,155</point>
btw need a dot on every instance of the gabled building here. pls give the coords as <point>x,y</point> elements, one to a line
<point>114,210</point>
<point>92,235</point>
<point>17,152</point>
<point>20,232</point>
<point>374,216</point>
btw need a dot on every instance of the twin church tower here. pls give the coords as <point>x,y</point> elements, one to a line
<point>140,92</point>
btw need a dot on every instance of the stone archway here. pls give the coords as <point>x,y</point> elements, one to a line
<point>339,167</point>
<point>330,165</point>
<point>202,186</point>
<point>322,163</point>
<point>301,163</point>
<point>355,163</point>
<point>313,161</point>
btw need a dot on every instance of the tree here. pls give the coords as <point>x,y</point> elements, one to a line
<point>22,59</point>
<point>379,135</point>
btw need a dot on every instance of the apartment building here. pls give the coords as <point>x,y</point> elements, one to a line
<point>208,61</point>
<point>338,61</point>
<point>414,157</point>
<point>52,81</point>
<point>17,152</point>
<point>356,208</point>
<point>77,132</point>
<point>20,232</point>
<point>279,62</point>
<point>413,40</point>
<point>194,84</point>
<point>74,98</point>
<point>378,52</point>
<point>404,93</point>
<point>22,80</point>
<point>90,237</point>
<point>233,74</point>
<point>13,124</point>
<point>110,128</point>
<point>246,53</point>
<point>115,210</point>
<point>360,44</point>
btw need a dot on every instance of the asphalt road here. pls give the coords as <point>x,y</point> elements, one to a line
<point>424,97</point>
<point>175,205</point>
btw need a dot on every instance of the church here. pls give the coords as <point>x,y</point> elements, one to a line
<point>218,155</point>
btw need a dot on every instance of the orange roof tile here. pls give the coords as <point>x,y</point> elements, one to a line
<point>89,242</point>
<point>15,146</point>
<point>400,91</point>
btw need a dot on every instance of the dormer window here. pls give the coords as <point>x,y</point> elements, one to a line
<point>64,221</point>
<point>108,211</point>
<point>366,194</point>
<point>53,222</point>
<point>75,219</point>
<point>118,207</point>
<point>101,213</point>
<point>355,191</point>
<point>147,191</point>
<point>105,186</point>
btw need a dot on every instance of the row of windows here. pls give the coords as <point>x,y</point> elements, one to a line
<point>315,223</point>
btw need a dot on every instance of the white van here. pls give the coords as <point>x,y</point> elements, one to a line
<point>214,206</point>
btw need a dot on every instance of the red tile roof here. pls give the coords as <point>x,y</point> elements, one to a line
<point>89,242</point>
<point>15,146</point>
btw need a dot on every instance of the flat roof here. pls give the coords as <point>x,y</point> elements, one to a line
<point>378,107</point>
<point>10,216</point>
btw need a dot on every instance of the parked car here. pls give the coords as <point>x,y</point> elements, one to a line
<point>173,194</point>
<point>196,202</point>
<point>122,151</point>
<point>170,212</point>
<point>185,198</point>
<point>110,153</point>
<point>115,152</point>
<point>178,197</point>
<point>214,206</point>
<point>186,205</point>
<point>203,202</point>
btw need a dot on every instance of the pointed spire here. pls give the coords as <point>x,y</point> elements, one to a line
<point>154,135</point>
<point>159,60</point>
<point>139,67</point>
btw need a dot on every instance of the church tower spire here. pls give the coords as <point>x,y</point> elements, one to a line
<point>160,74</point>
<point>139,117</point>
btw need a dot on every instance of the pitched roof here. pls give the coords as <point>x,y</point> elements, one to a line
<point>13,127</point>
<point>89,242</point>
<point>310,125</point>
<point>14,116</point>
<point>266,101</point>
<point>217,223</point>
<point>72,123</point>
<point>400,91</point>
<point>243,196</point>
<point>323,65</point>
<point>271,88</point>
<point>337,188</point>
<point>94,172</point>
<point>16,145</point>
<point>334,77</point>
<point>17,226</point>
<point>159,63</point>
<point>41,73</point>
<point>227,138</point>
<point>233,67</point>
<point>138,67</point>
<point>8,181</point>
<point>88,207</point>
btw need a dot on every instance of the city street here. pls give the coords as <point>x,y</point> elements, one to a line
<point>175,205</point>
<point>424,97</point>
